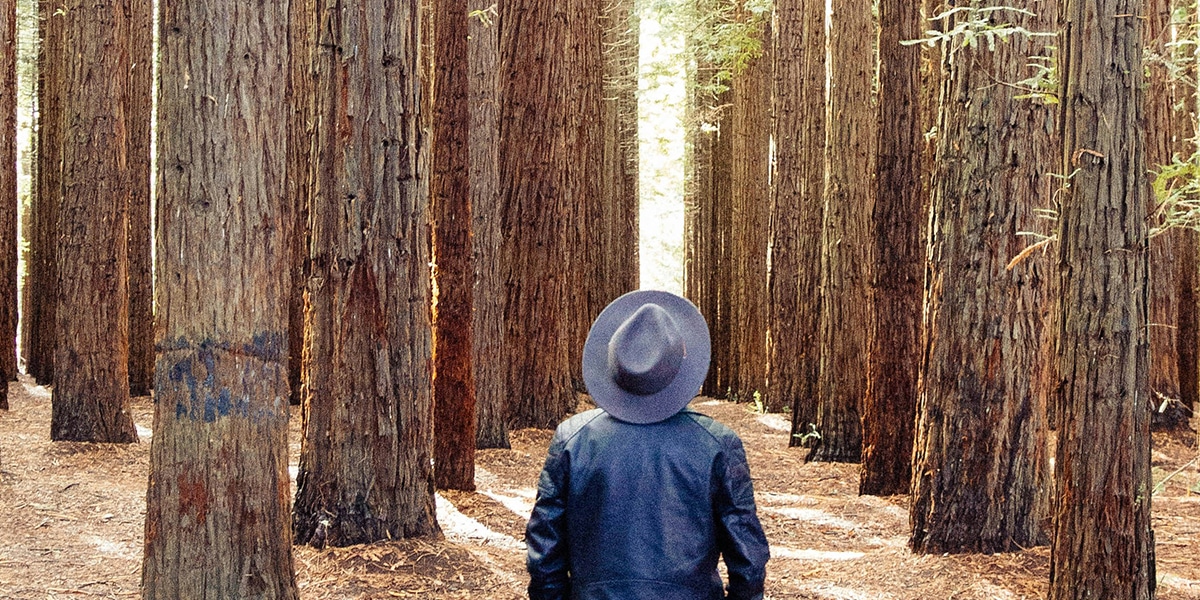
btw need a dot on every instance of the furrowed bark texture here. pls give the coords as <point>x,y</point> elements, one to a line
<point>889,407</point>
<point>9,204</point>
<point>302,17</point>
<point>541,126</point>
<point>846,311</point>
<point>43,268</point>
<point>91,393</point>
<point>141,290</point>
<point>1103,543</point>
<point>750,117</point>
<point>217,520</point>
<point>798,195</point>
<point>491,401</point>
<point>454,386</point>
<point>365,471</point>
<point>617,270</point>
<point>980,459</point>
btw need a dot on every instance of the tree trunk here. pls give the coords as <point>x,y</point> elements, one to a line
<point>617,268</point>
<point>846,233</point>
<point>980,449</point>
<point>141,291</point>
<point>43,270</point>
<point>542,128</point>
<point>454,387</point>
<point>365,471</point>
<point>300,154</point>
<point>91,392</point>
<point>217,520</point>
<point>701,240</point>
<point>889,407</point>
<point>1103,544</point>
<point>750,119</point>
<point>487,327</point>
<point>9,203</point>
<point>799,184</point>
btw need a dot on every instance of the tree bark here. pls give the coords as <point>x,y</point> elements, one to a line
<point>217,521</point>
<point>454,386</point>
<point>491,400</point>
<point>43,270</point>
<point>365,471</point>
<point>9,203</point>
<point>543,139</point>
<point>1103,543</point>
<point>141,291</point>
<point>980,459</point>
<point>617,267</point>
<point>300,154</point>
<point>846,232</point>
<point>798,197</point>
<point>701,235</point>
<point>889,407</point>
<point>91,397</point>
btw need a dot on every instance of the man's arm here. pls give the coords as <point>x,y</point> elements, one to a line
<point>546,533</point>
<point>739,534</point>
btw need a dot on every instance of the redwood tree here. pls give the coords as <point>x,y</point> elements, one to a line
<point>91,398</point>
<point>889,407</point>
<point>365,468</point>
<point>137,129</point>
<point>1103,543</point>
<point>797,210</point>
<point>8,197</point>
<point>301,43</point>
<point>846,311</point>
<point>217,520</point>
<point>980,459</point>
<point>454,386</point>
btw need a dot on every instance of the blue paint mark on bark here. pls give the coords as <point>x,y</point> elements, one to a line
<point>208,399</point>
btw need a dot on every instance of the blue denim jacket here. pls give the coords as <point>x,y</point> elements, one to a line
<point>631,512</point>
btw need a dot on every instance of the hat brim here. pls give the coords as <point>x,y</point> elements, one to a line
<point>634,408</point>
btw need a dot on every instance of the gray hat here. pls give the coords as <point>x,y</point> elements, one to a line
<point>646,356</point>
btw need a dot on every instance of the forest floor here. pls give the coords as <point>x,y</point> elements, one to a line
<point>73,515</point>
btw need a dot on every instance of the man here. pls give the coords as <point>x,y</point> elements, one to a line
<point>641,497</point>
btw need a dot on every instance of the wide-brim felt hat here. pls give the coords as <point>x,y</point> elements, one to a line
<point>646,356</point>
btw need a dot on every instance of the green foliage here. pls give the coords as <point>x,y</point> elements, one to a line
<point>810,437</point>
<point>1177,188</point>
<point>1043,84</point>
<point>487,16</point>
<point>725,36</point>
<point>975,24</point>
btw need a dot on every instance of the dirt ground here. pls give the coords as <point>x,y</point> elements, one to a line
<point>72,524</point>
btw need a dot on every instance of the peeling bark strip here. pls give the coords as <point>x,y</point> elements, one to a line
<point>217,514</point>
<point>91,390</point>
<point>1103,453</point>
<point>365,471</point>
<point>979,462</point>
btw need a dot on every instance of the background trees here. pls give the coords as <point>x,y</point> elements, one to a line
<point>8,197</point>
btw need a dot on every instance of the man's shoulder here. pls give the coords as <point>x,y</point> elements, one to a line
<point>718,430</point>
<point>576,423</point>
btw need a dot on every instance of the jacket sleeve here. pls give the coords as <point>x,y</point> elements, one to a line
<point>546,533</point>
<point>739,533</point>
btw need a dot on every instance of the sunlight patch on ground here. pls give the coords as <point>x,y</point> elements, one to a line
<point>776,422</point>
<point>39,391</point>
<point>1176,582</point>
<point>520,505</point>
<point>120,549</point>
<point>463,529</point>
<point>810,554</point>
<point>814,516</point>
<point>834,592</point>
<point>144,433</point>
<point>785,499</point>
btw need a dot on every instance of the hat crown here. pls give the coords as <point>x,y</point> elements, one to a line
<point>646,351</point>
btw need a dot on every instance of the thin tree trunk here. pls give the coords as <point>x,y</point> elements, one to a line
<point>300,154</point>
<point>700,238</point>
<point>43,270</point>
<point>846,311</point>
<point>9,204</point>
<point>1103,543</point>
<point>91,399</point>
<point>799,184</point>
<point>979,464</point>
<point>889,407</point>
<point>141,291</point>
<point>616,270</point>
<point>217,520</point>
<point>365,468</point>
<point>454,386</point>
<point>488,294</point>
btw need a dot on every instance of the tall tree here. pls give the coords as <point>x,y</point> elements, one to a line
<point>549,140</point>
<point>797,210</point>
<point>889,407</point>
<point>1103,543</point>
<point>979,463</point>
<point>365,471</point>
<point>846,311</point>
<point>140,16</point>
<point>42,282</point>
<point>302,17</point>
<point>453,384</point>
<point>217,521</point>
<point>8,197</point>
<point>750,122</point>
<point>491,405</point>
<point>91,398</point>
<point>616,268</point>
